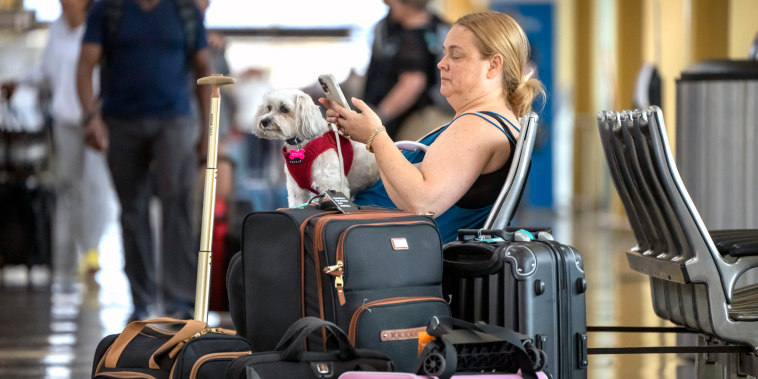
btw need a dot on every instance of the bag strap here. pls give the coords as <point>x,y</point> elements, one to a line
<point>293,342</point>
<point>190,328</point>
<point>475,267</point>
<point>439,326</point>
<point>487,262</point>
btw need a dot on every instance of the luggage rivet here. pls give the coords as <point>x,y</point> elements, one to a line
<point>539,287</point>
<point>581,285</point>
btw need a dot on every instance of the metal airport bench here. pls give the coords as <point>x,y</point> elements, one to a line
<point>692,271</point>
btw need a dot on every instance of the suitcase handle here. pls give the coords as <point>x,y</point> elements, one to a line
<point>292,343</point>
<point>475,261</point>
<point>190,328</point>
<point>509,234</point>
<point>463,233</point>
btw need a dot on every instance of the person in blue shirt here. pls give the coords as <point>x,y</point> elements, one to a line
<point>486,79</point>
<point>143,121</point>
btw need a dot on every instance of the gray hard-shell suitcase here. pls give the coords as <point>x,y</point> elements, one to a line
<point>518,279</point>
<point>536,287</point>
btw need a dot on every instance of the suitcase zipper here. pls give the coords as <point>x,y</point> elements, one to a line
<point>303,225</point>
<point>173,353</point>
<point>338,270</point>
<point>318,244</point>
<point>178,348</point>
<point>564,347</point>
<point>352,331</point>
<point>208,357</point>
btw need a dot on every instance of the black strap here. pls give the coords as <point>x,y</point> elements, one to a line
<point>187,10</point>
<point>114,11</point>
<point>292,343</point>
<point>471,261</point>
<point>506,127</point>
<point>477,259</point>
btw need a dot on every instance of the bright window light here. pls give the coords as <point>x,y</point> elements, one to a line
<point>46,10</point>
<point>255,14</point>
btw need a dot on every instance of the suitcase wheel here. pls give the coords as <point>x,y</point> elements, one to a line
<point>434,364</point>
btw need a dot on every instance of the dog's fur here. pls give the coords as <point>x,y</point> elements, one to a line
<point>288,113</point>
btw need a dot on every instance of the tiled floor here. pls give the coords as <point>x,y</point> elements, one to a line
<point>45,334</point>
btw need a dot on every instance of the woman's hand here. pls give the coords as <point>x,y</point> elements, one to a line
<point>358,125</point>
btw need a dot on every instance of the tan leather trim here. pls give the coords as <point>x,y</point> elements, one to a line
<point>130,375</point>
<point>302,262</point>
<point>318,245</point>
<point>190,328</point>
<point>401,334</point>
<point>353,332</point>
<point>208,357</point>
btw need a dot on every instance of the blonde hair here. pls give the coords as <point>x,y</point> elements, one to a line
<point>498,33</point>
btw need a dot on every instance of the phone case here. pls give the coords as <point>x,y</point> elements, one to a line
<point>332,89</point>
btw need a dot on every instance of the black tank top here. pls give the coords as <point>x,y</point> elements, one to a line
<point>487,187</point>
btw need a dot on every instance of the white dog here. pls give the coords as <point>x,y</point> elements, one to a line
<point>311,161</point>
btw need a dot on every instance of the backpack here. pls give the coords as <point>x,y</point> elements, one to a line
<point>114,10</point>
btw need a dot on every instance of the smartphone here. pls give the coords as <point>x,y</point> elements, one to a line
<point>332,89</point>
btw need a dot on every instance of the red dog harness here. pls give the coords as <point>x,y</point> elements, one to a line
<point>299,162</point>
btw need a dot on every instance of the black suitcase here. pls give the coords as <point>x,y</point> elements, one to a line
<point>144,350</point>
<point>376,273</point>
<point>26,222</point>
<point>534,286</point>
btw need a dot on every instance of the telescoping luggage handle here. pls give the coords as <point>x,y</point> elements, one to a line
<point>202,291</point>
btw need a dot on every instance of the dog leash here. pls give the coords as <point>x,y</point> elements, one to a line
<point>340,168</point>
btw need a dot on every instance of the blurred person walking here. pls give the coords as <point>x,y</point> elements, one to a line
<point>402,78</point>
<point>83,186</point>
<point>144,123</point>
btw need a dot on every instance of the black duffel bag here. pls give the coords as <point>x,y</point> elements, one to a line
<point>144,350</point>
<point>290,360</point>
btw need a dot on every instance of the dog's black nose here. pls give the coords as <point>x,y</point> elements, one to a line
<point>265,122</point>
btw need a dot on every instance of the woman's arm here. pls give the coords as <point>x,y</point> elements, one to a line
<point>451,164</point>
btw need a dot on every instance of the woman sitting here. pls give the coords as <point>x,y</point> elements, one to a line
<point>484,78</point>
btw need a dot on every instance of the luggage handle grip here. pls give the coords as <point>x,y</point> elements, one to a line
<point>293,341</point>
<point>190,328</point>
<point>470,268</point>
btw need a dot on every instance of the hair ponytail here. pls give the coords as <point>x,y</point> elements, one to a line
<point>521,99</point>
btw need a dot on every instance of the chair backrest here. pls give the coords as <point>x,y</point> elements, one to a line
<point>510,195</point>
<point>692,284</point>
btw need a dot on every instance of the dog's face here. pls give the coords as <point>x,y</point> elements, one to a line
<point>285,114</point>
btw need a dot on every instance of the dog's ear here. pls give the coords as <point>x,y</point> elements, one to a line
<point>308,116</point>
